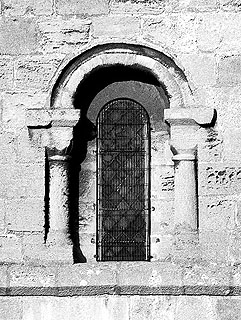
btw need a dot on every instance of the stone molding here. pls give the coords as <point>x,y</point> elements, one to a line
<point>122,278</point>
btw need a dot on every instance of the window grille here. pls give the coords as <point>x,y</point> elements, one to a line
<point>123,182</point>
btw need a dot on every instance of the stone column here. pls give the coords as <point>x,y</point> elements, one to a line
<point>56,137</point>
<point>185,182</point>
<point>184,124</point>
<point>59,197</point>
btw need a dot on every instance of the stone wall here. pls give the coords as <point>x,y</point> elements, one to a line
<point>37,40</point>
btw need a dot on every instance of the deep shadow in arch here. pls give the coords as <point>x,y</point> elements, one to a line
<point>84,131</point>
<point>101,77</point>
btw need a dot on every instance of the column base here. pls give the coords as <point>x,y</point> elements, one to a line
<point>59,249</point>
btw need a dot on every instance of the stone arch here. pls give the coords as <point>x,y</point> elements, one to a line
<point>153,62</point>
<point>63,119</point>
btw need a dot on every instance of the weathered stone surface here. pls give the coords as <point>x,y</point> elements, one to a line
<point>219,178</point>
<point>143,7</point>
<point>163,181</point>
<point>212,277</point>
<point>11,308</point>
<point>195,308</point>
<point>216,213</point>
<point>210,145</point>
<point>83,7</point>
<point>229,70</point>
<point>197,5</point>
<point>31,276</point>
<point>11,248</point>
<point>87,275</point>
<point>228,309</point>
<point>230,5</point>
<point>116,26</point>
<point>18,36</point>
<point>61,35</point>
<point>36,72</point>
<point>173,31</point>
<point>25,214</point>
<point>231,145</point>
<point>214,246</point>
<point>26,180</point>
<point>151,308</point>
<point>27,7</point>
<point>88,308</point>
<point>6,73</point>
<point>209,41</point>
<point>2,214</point>
<point>200,69</point>
<point>230,36</point>
<point>156,274</point>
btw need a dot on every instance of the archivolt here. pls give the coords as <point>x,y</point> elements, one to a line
<point>163,68</point>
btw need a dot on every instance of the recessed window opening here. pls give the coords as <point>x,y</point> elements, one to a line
<point>123,182</point>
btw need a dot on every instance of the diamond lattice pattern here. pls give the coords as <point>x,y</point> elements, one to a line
<point>123,181</point>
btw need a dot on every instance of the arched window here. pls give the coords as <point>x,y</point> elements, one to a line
<point>123,182</point>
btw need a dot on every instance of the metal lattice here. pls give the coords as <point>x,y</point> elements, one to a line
<point>123,161</point>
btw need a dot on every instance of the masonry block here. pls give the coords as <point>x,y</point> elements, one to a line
<point>91,274</point>
<point>34,249</point>
<point>18,36</point>
<point>116,26</point>
<point>219,178</point>
<point>11,308</point>
<point>13,116</point>
<point>155,275</point>
<point>83,7</point>
<point>10,249</point>
<point>31,276</point>
<point>6,73</point>
<point>151,308</point>
<point>229,70</point>
<point>214,276</point>
<point>25,7</point>
<point>143,7</point>
<point>55,308</point>
<point>210,145</point>
<point>231,24</point>
<point>199,5</point>
<point>209,41</point>
<point>176,31</point>
<point>195,308</point>
<point>162,216</point>
<point>27,180</point>
<point>161,247</point>
<point>59,35</point>
<point>231,5</point>
<point>2,214</point>
<point>235,246</point>
<point>216,213</point>
<point>36,72</point>
<point>118,307</point>
<point>162,178</point>
<point>25,214</point>
<point>214,246</point>
<point>228,309</point>
<point>200,68</point>
<point>231,144</point>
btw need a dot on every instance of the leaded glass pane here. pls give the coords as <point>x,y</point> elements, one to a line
<point>123,182</point>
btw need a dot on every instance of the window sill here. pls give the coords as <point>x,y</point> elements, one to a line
<point>120,278</point>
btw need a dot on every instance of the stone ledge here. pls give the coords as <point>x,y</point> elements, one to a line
<point>122,290</point>
<point>120,278</point>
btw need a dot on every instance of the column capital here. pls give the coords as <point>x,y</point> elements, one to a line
<point>190,116</point>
